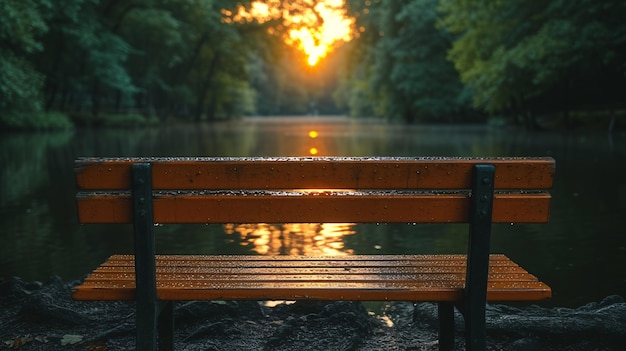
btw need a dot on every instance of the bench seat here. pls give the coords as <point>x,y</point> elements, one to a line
<point>365,277</point>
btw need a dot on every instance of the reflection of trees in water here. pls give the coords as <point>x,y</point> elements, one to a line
<point>25,160</point>
<point>294,239</point>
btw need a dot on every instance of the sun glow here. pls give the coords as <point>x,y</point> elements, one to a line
<point>313,27</point>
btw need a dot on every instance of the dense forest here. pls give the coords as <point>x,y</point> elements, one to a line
<point>107,62</point>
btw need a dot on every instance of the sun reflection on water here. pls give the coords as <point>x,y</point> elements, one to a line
<point>313,239</point>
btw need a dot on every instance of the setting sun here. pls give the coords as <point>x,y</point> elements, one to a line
<point>313,27</point>
<point>321,29</point>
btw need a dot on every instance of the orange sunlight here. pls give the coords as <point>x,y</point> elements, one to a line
<point>315,239</point>
<point>313,27</point>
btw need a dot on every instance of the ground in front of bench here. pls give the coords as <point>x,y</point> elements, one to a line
<point>41,314</point>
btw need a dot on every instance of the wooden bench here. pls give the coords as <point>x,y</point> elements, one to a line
<point>477,191</point>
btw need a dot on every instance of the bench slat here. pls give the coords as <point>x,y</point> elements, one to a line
<point>314,173</point>
<point>295,261</point>
<point>270,207</point>
<point>432,278</point>
<point>277,275</point>
<point>262,265</point>
<point>374,291</point>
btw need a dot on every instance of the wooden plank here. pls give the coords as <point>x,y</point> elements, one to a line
<point>308,262</point>
<point>274,275</point>
<point>440,291</point>
<point>314,173</point>
<point>349,269</point>
<point>257,277</point>
<point>325,260</point>
<point>396,265</point>
<point>269,207</point>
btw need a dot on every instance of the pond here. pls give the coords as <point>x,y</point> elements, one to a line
<point>581,253</point>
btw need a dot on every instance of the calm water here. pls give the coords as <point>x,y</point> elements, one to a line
<point>581,253</point>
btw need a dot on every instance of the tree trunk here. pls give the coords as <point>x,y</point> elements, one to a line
<point>95,98</point>
<point>53,87</point>
<point>118,101</point>
<point>612,120</point>
<point>205,85</point>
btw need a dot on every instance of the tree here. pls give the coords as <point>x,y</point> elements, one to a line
<point>425,81</point>
<point>529,57</point>
<point>189,58</point>
<point>84,58</point>
<point>154,56</point>
<point>21,24</point>
<point>399,67</point>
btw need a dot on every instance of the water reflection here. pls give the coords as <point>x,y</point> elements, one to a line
<point>316,239</point>
<point>313,134</point>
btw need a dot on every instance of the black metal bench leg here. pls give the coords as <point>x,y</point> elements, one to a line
<point>166,327</point>
<point>477,275</point>
<point>145,266</point>
<point>146,322</point>
<point>475,328</point>
<point>446,326</point>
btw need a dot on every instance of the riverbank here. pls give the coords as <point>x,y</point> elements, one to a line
<point>42,316</point>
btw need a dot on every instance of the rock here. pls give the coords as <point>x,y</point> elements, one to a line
<point>123,329</point>
<point>41,306</point>
<point>343,324</point>
<point>194,311</point>
<point>214,319</point>
<point>212,330</point>
<point>605,318</point>
<point>15,287</point>
<point>525,344</point>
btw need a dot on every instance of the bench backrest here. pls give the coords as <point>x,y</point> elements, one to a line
<point>289,190</point>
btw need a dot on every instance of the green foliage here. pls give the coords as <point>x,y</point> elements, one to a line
<point>21,23</point>
<point>36,121</point>
<point>49,120</point>
<point>533,56</point>
<point>84,58</point>
<point>421,72</point>
<point>112,120</point>
<point>20,84</point>
<point>399,67</point>
<point>159,57</point>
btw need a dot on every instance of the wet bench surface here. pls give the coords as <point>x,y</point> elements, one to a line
<point>477,191</point>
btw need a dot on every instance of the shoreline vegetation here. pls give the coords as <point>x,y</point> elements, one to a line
<point>42,316</point>
<point>610,121</point>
